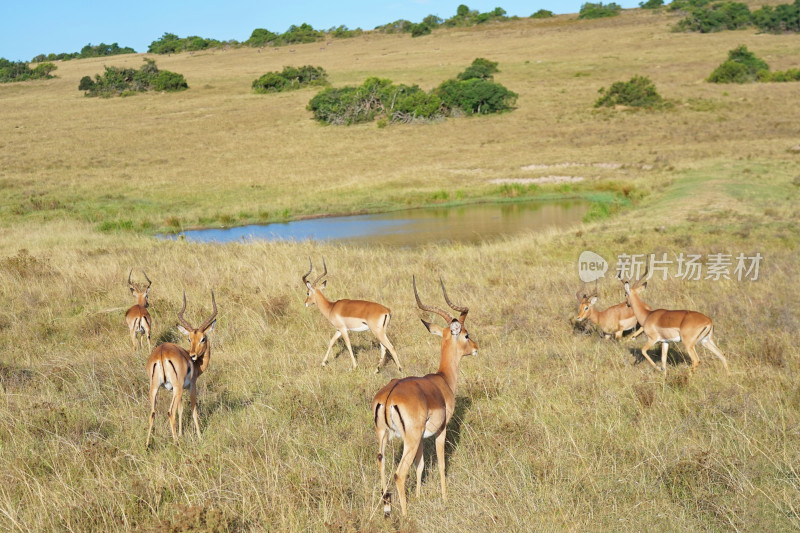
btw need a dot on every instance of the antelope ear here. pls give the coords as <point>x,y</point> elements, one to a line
<point>593,300</point>
<point>182,330</point>
<point>433,328</point>
<point>133,291</point>
<point>210,328</point>
<point>627,287</point>
<point>324,283</point>
<point>644,285</point>
<point>308,284</point>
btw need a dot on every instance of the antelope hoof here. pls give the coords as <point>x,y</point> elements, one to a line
<point>324,364</point>
<point>387,505</point>
<point>377,370</point>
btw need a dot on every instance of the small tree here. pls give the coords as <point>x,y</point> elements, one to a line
<point>742,66</point>
<point>651,4</point>
<point>481,69</point>
<point>598,10</point>
<point>638,92</point>
<point>542,14</point>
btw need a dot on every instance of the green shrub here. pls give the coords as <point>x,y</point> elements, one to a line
<point>481,69</point>
<point>290,78</point>
<point>169,81</point>
<point>475,96</point>
<point>720,16</point>
<point>640,91</point>
<point>169,43</point>
<point>595,11</point>
<point>126,81</point>
<point>742,66</point>
<point>418,30</point>
<point>261,37</point>
<point>782,18</point>
<point>542,14</point>
<point>20,71</point>
<point>793,74</point>
<point>382,99</point>
<point>651,4</point>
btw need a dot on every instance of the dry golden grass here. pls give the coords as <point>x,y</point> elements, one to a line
<point>553,430</point>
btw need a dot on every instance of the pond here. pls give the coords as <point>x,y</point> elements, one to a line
<point>467,223</point>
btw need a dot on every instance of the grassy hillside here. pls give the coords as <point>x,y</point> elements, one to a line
<point>554,429</point>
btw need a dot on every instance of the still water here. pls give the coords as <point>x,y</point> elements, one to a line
<point>469,223</point>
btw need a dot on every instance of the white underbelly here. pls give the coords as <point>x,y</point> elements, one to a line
<point>362,327</point>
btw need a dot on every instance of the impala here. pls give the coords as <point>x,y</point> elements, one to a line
<point>417,407</point>
<point>612,321</point>
<point>172,367</point>
<point>664,326</point>
<point>137,317</point>
<point>350,315</point>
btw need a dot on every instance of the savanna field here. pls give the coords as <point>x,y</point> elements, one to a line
<point>555,428</point>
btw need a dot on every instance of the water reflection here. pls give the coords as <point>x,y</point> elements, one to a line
<point>469,223</point>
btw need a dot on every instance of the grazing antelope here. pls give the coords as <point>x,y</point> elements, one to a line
<point>350,315</point>
<point>417,407</point>
<point>664,326</point>
<point>172,367</point>
<point>137,317</point>
<point>613,321</point>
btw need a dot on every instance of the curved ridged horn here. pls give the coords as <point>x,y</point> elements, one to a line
<point>594,292</point>
<point>325,271</point>
<point>148,279</point>
<point>129,278</point>
<point>644,276</point>
<point>213,314</point>
<point>310,268</point>
<point>581,292</point>
<point>430,308</point>
<point>180,314</point>
<point>454,307</point>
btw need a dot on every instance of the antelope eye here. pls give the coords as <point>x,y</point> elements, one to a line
<point>203,340</point>
<point>586,308</point>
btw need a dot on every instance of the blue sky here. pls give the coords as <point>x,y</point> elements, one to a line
<point>39,27</point>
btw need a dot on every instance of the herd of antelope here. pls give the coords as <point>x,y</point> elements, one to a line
<point>411,408</point>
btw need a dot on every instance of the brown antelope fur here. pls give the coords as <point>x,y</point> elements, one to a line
<point>137,317</point>
<point>351,315</point>
<point>413,408</point>
<point>174,368</point>
<point>612,321</point>
<point>665,326</point>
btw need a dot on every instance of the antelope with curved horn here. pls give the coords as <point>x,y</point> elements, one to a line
<point>174,368</point>
<point>137,317</point>
<point>665,326</point>
<point>612,321</point>
<point>413,408</point>
<point>350,315</point>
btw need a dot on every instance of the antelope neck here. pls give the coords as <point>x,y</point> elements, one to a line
<point>448,368</point>
<point>640,310</point>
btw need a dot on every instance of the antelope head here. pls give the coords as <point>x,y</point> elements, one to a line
<point>585,301</point>
<point>311,294</point>
<point>140,294</point>
<point>198,340</point>
<point>455,333</point>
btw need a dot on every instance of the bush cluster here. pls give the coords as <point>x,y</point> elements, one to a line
<point>640,91</point>
<point>542,14</point>
<point>464,17</point>
<point>169,43</point>
<point>20,71</point>
<point>123,81</point>
<point>706,17</point>
<point>651,4</point>
<point>473,92</point>
<point>100,50</point>
<point>595,11</point>
<point>743,66</point>
<point>290,78</point>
